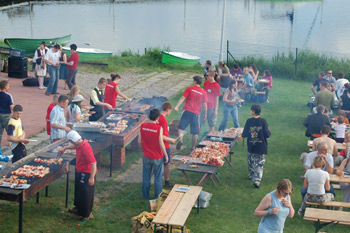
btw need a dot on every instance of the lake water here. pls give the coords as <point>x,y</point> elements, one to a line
<point>253,27</point>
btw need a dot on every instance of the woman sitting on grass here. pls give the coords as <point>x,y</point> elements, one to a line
<point>275,207</point>
<point>316,182</point>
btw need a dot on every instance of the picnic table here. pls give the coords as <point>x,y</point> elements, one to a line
<point>339,179</point>
<point>177,207</point>
<point>263,81</point>
<point>340,146</point>
<point>207,171</point>
<point>323,217</point>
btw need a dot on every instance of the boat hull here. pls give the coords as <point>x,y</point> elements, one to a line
<point>89,56</point>
<point>30,45</point>
<point>168,58</point>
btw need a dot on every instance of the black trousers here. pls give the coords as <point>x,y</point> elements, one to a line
<point>84,194</point>
<point>19,152</point>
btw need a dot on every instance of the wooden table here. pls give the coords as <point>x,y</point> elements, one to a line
<point>340,146</point>
<point>339,179</point>
<point>323,217</point>
<point>263,81</point>
<point>207,171</point>
<point>177,207</point>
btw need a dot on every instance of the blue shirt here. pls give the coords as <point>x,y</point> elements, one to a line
<point>274,223</point>
<point>5,102</point>
<point>57,117</point>
<point>248,79</point>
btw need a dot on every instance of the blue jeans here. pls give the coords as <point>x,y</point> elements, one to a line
<point>227,109</point>
<point>303,191</point>
<point>54,75</point>
<point>157,165</point>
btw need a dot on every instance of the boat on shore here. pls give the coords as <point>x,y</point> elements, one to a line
<point>179,58</point>
<point>30,45</point>
<point>89,54</point>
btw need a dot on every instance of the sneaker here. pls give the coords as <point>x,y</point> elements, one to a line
<point>73,210</point>
<point>42,88</point>
<point>87,218</point>
<point>300,212</point>
<point>257,185</point>
<point>267,101</point>
<point>178,145</point>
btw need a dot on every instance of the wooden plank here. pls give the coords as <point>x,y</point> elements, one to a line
<point>169,206</point>
<point>339,179</point>
<point>331,203</point>
<point>328,215</point>
<point>324,221</point>
<point>183,210</point>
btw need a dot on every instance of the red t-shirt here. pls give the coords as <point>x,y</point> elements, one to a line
<point>48,127</point>
<point>74,57</point>
<point>110,94</point>
<point>150,140</point>
<point>162,122</point>
<point>85,157</point>
<point>195,96</point>
<point>213,91</point>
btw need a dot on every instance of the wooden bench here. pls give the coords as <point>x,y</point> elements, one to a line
<point>177,207</point>
<point>322,218</point>
<point>330,203</point>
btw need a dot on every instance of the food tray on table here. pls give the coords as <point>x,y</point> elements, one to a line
<point>30,172</point>
<point>227,133</point>
<point>89,127</point>
<point>142,105</point>
<point>54,149</point>
<point>119,123</point>
<point>207,141</point>
<point>186,159</point>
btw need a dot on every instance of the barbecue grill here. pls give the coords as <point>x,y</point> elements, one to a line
<point>155,101</point>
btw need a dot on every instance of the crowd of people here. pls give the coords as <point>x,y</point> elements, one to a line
<point>326,130</point>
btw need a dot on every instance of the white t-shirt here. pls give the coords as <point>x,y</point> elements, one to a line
<point>340,131</point>
<point>316,180</point>
<point>52,56</point>
<point>339,86</point>
<point>310,158</point>
<point>72,112</point>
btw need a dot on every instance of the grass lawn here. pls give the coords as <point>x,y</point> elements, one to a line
<point>233,202</point>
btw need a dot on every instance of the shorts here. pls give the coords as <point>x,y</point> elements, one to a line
<point>168,151</point>
<point>210,118</point>
<point>189,118</point>
<point>19,152</point>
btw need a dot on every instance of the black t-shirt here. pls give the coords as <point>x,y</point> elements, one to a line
<point>346,101</point>
<point>256,130</point>
<point>317,82</point>
<point>314,123</point>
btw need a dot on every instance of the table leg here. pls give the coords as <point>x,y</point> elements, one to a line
<point>231,153</point>
<point>20,212</point>
<point>111,161</point>
<point>187,178</point>
<point>67,189</point>
<point>198,205</point>
<point>47,191</point>
<point>155,228</point>
<point>228,161</point>
<point>204,178</point>
<point>217,178</point>
<point>212,180</point>
<point>37,198</point>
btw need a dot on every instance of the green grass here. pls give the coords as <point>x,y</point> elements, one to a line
<point>234,199</point>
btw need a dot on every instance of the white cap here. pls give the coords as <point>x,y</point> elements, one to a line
<point>78,98</point>
<point>73,136</point>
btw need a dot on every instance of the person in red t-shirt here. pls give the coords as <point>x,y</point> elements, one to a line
<point>72,66</point>
<point>112,91</point>
<point>213,92</point>
<point>195,97</point>
<point>49,109</point>
<point>151,141</point>
<point>86,168</point>
<point>166,110</point>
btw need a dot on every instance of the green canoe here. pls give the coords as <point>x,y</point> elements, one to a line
<point>89,54</point>
<point>179,58</point>
<point>30,45</point>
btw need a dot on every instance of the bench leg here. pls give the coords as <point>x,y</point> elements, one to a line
<point>319,226</point>
<point>46,191</point>
<point>37,198</point>
<point>198,205</point>
<point>187,178</point>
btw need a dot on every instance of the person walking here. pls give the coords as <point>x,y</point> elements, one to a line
<point>256,130</point>
<point>72,66</point>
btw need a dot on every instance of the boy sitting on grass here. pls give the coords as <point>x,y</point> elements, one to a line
<point>16,134</point>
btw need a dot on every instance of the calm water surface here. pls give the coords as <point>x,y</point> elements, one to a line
<point>253,27</point>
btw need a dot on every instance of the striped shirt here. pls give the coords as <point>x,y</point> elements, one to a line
<point>57,117</point>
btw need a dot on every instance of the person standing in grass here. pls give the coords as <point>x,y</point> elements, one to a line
<point>256,130</point>
<point>154,154</point>
<point>195,97</point>
<point>166,110</point>
<point>231,101</point>
<point>275,207</point>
